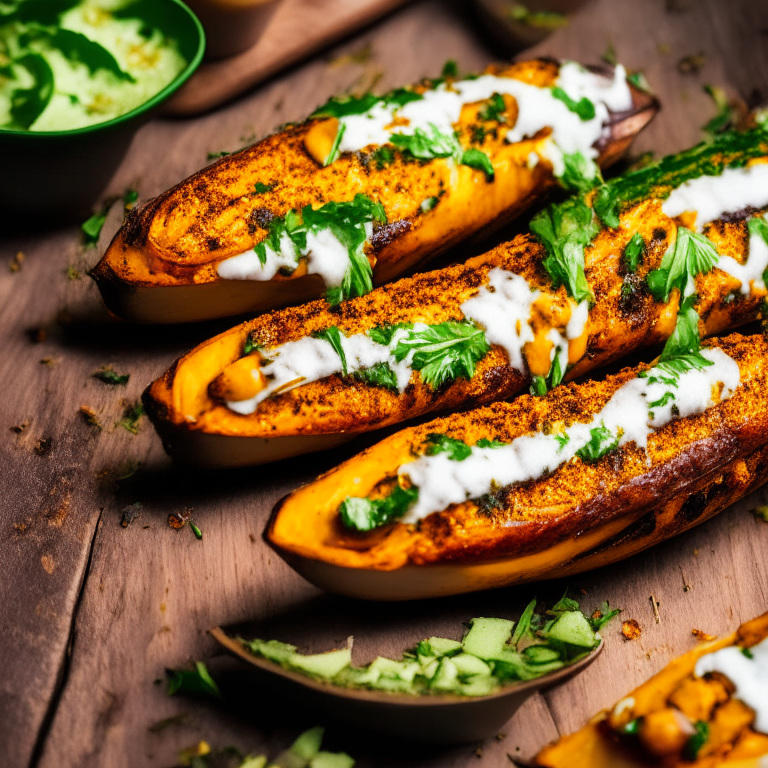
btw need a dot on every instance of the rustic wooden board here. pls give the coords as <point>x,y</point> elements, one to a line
<point>91,612</point>
<point>298,29</point>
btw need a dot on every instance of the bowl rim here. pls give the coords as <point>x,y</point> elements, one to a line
<point>145,106</point>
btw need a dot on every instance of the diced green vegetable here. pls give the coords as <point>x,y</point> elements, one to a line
<point>325,665</point>
<point>331,760</point>
<point>573,628</point>
<point>441,646</point>
<point>446,677</point>
<point>308,744</point>
<point>487,637</point>
<point>468,665</point>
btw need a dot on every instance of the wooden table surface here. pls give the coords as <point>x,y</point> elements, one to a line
<point>92,612</point>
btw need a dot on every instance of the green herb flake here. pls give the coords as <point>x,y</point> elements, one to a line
<point>130,198</point>
<point>443,352</point>
<point>217,155</point>
<point>562,440</point>
<point>450,69</point>
<point>383,334</point>
<point>362,514</point>
<point>548,20</point>
<point>198,533</point>
<point>634,251</point>
<point>382,156</point>
<point>696,741</point>
<point>602,442</point>
<point>690,255</point>
<point>379,375</point>
<point>603,615</point>
<point>196,680</point>
<point>761,513</point>
<point>479,160</point>
<point>108,376</point>
<point>747,652</point>
<point>91,228</point>
<point>494,110</point>
<point>333,336</point>
<point>251,345</point>
<point>725,116</point>
<point>564,230</point>
<point>632,728</point>
<point>584,108</point>
<point>261,188</point>
<point>457,450</point>
<point>131,418</point>
<point>581,174</point>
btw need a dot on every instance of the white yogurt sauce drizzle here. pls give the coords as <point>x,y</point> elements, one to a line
<point>713,196</point>
<point>502,308</point>
<point>748,675</point>
<point>326,256</point>
<point>751,272</point>
<point>628,415</point>
<point>537,109</point>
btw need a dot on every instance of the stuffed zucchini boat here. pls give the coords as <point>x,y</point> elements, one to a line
<point>604,274</point>
<point>707,708</point>
<point>365,189</point>
<point>543,487</point>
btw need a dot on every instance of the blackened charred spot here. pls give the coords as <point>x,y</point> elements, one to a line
<point>693,507</point>
<point>659,236</point>
<point>634,293</point>
<point>388,233</point>
<point>213,244</point>
<point>260,218</point>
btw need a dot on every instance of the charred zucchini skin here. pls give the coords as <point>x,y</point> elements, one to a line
<point>579,517</point>
<point>161,266</point>
<point>597,746</point>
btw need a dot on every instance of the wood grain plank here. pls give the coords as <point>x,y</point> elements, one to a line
<point>152,592</point>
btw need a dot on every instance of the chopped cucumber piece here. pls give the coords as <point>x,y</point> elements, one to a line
<point>308,744</point>
<point>289,759</point>
<point>524,624</point>
<point>447,676</point>
<point>387,667</point>
<point>324,665</point>
<point>487,637</point>
<point>273,650</point>
<point>441,646</point>
<point>393,685</point>
<point>431,669</point>
<point>357,676</point>
<point>254,762</point>
<point>479,685</point>
<point>331,760</point>
<point>573,628</point>
<point>468,665</point>
<point>541,654</point>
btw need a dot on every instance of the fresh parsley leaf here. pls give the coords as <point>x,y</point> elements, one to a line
<point>217,155</point>
<point>333,336</point>
<point>606,205</point>
<point>425,145</point>
<point>757,225</point>
<point>581,174</point>
<point>402,96</point>
<point>91,228</point>
<point>602,441</point>
<point>342,106</point>
<point>539,386</point>
<point>484,442</point>
<point>564,604</point>
<point>457,450</point>
<point>690,255</point>
<point>261,188</point>
<point>682,352</point>
<point>748,653</point>
<point>108,376</point>
<point>382,156</point>
<point>197,680</point>
<point>633,252</point>
<point>250,345</point>
<point>428,204</point>
<point>602,616</point>
<point>584,108</point>
<point>379,375</point>
<point>696,741</point>
<point>131,418</point>
<point>382,334</point>
<point>564,230</point>
<point>663,400</point>
<point>632,727</point>
<point>640,81</point>
<point>362,514</point>
<point>443,352</point>
<point>450,69</point>
<point>479,160</point>
<point>494,110</point>
<point>562,440</point>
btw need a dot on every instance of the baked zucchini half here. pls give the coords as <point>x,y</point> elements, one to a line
<point>543,487</point>
<point>707,708</point>
<point>365,189</point>
<point>542,308</point>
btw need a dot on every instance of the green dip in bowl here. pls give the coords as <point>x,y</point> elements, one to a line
<point>78,78</point>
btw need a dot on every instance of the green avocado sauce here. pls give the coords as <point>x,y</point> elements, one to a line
<point>67,64</point>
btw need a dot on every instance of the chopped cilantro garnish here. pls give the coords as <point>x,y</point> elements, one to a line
<point>342,106</point>
<point>632,728</point>
<point>725,112</point>
<point>198,533</point>
<point>250,345</point>
<point>379,375</point>
<point>697,741</point>
<point>450,69</point>
<point>584,108</point>
<point>606,205</point>
<point>747,652</point>
<point>92,227</point>
<point>425,145</point>
<point>690,255</point>
<point>217,155</point>
<point>484,442</point>
<point>261,188</point>
<point>494,110</point>
<point>333,336</point>
<point>602,616</point>
<point>457,450</point>
<point>108,376</point>
<point>581,174</point>
<point>565,230</point>
<point>666,398</point>
<point>479,160</point>
<point>682,352</point>
<point>131,418</point>
<point>443,352</point>
<point>602,441</point>
<point>197,680</point>
<point>633,252</point>
<point>428,204</point>
<point>362,514</point>
<point>383,156</point>
<point>382,334</point>
<point>562,440</point>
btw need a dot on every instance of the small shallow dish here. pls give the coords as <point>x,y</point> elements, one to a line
<point>50,176</point>
<point>439,718</point>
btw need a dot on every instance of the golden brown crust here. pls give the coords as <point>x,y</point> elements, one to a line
<point>687,456</point>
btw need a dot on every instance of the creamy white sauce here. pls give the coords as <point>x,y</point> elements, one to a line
<point>537,109</point>
<point>750,273</point>
<point>503,309</point>
<point>326,256</point>
<point>628,415</point>
<point>749,677</point>
<point>713,196</point>
<point>309,359</point>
